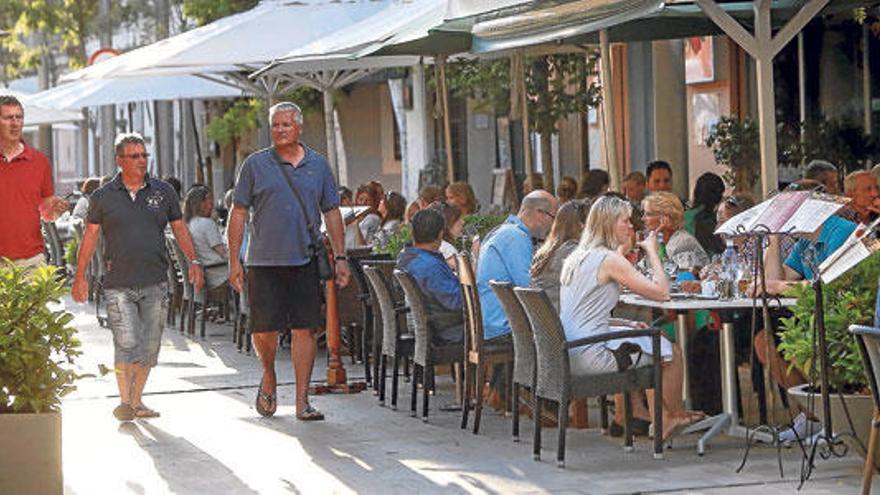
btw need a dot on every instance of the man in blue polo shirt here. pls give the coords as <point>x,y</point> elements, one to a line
<point>131,211</point>
<point>283,286</point>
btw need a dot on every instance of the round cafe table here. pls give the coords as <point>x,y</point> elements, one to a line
<point>728,422</point>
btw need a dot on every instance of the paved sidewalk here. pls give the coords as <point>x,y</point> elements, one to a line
<point>210,440</point>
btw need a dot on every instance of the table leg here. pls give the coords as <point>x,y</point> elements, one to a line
<point>681,340</point>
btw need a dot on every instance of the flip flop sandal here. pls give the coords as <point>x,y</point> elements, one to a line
<point>269,399</point>
<point>143,411</point>
<point>310,414</point>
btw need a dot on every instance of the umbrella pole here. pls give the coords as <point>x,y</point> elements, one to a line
<point>447,132</point>
<point>330,132</point>
<point>608,121</point>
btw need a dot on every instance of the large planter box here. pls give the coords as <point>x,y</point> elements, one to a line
<point>861,410</point>
<point>30,459</point>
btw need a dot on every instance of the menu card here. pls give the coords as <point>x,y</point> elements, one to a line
<point>794,212</point>
<point>860,244</point>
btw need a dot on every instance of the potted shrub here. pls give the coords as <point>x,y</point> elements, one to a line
<point>37,348</point>
<point>849,300</point>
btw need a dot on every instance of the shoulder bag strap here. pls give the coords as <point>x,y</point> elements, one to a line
<point>311,226</point>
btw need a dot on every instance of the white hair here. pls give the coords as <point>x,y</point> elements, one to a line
<point>287,106</point>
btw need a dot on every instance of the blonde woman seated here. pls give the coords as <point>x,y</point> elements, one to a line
<point>664,213</point>
<point>591,280</point>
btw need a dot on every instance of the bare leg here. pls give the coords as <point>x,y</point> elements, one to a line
<point>302,352</point>
<point>779,368</point>
<point>674,413</point>
<point>124,378</point>
<point>266,344</point>
<point>637,401</point>
<point>140,374</point>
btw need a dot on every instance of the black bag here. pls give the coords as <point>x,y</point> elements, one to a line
<point>318,247</point>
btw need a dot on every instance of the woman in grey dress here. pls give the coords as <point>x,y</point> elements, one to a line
<point>591,279</point>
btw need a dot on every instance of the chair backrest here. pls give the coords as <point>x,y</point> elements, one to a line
<point>553,372</point>
<point>357,258</point>
<point>382,291</point>
<point>183,264</point>
<point>521,330</point>
<point>53,242</point>
<point>473,316</point>
<point>416,302</point>
<point>868,339</point>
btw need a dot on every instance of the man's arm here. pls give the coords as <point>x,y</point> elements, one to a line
<point>234,235</point>
<point>184,240</point>
<point>86,250</point>
<point>52,207</point>
<point>336,231</point>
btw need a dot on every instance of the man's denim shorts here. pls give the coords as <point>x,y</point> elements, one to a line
<point>137,316</point>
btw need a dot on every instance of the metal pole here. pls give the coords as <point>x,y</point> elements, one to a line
<point>107,114</point>
<point>608,120</point>
<point>766,98</point>
<point>329,132</point>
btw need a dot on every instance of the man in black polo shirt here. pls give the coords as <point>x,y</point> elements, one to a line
<point>132,211</point>
<point>282,281</point>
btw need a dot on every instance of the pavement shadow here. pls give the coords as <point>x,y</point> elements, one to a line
<point>356,462</point>
<point>176,459</point>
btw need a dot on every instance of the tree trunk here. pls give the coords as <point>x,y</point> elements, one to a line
<point>547,160</point>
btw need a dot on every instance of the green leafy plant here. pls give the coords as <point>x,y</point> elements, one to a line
<point>477,226</point>
<point>849,300</point>
<point>734,143</point>
<point>36,344</point>
<point>71,249</point>
<point>393,244</point>
<point>841,142</point>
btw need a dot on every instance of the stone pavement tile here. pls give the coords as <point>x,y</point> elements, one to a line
<point>210,440</point>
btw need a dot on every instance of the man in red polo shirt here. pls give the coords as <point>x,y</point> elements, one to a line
<point>26,190</point>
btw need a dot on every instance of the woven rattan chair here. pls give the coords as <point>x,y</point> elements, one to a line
<point>554,381</point>
<point>371,340</point>
<point>477,353</point>
<point>396,345</point>
<point>192,299</point>
<point>868,339</point>
<point>524,364</point>
<point>425,354</point>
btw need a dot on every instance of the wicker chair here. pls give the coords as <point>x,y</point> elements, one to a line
<point>524,364</point>
<point>554,381</point>
<point>425,354</point>
<point>191,298</point>
<point>396,345</point>
<point>477,352</point>
<point>868,339</point>
<point>370,341</point>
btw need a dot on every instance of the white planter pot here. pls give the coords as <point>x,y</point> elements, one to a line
<point>30,459</point>
<point>861,410</point>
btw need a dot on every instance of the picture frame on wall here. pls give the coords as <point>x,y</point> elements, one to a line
<point>699,60</point>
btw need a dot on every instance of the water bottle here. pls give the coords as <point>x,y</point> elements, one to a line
<point>729,269</point>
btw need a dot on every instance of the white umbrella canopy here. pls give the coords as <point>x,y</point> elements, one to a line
<point>337,49</point>
<point>39,114</point>
<point>97,92</point>
<point>241,42</point>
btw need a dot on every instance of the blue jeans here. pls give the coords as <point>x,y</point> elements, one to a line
<point>137,317</point>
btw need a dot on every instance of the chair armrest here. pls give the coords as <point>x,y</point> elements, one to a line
<point>618,334</point>
<point>864,330</point>
<point>402,310</point>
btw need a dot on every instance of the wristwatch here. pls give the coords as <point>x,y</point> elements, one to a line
<point>195,262</point>
<point>341,258</point>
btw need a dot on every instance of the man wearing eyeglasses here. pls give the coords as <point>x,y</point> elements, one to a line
<point>131,211</point>
<point>26,190</point>
<point>506,256</point>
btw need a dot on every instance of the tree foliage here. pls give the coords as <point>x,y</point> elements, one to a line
<point>207,11</point>
<point>241,117</point>
<point>557,86</point>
